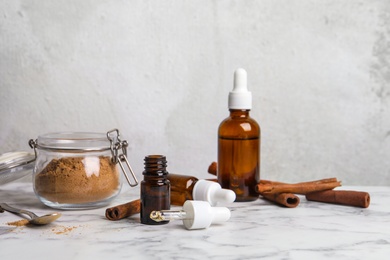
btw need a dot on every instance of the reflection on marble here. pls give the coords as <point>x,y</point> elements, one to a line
<point>256,230</point>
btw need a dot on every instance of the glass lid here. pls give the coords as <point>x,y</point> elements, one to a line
<point>15,165</point>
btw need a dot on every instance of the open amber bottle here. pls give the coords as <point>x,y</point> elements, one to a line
<point>155,188</point>
<point>185,188</point>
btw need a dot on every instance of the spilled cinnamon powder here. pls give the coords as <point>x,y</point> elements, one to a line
<point>70,180</point>
<point>57,230</point>
<point>63,230</point>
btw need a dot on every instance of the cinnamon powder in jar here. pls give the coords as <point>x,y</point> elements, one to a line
<point>75,180</point>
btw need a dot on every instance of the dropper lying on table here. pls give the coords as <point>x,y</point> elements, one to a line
<point>195,214</point>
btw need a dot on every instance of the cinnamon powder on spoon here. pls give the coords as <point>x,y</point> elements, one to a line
<point>18,223</point>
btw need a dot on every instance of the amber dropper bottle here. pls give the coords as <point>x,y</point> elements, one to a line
<point>155,188</point>
<point>239,143</point>
<point>184,187</point>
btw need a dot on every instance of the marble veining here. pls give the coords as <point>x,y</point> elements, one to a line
<point>256,230</point>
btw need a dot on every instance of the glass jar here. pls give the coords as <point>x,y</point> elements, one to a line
<point>75,170</point>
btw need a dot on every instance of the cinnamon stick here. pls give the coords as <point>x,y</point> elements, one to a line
<point>342,197</point>
<point>271,182</point>
<point>328,180</point>
<point>274,187</point>
<point>124,210</point>
<point>285,199</point>
<point>298,188</point>
<point>213,168</point>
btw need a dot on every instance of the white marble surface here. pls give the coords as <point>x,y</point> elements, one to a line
<point>256,230</point>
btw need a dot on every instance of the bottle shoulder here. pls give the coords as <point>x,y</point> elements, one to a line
<point>231,121</point>
<point>239,127</point>
<point>155,181</point>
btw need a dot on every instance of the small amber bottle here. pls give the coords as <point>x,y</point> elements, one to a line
<point>184,187</point>
<point>155,188</point>
<point>239,144</point>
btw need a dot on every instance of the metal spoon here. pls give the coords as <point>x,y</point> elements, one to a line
<point>34,219</point>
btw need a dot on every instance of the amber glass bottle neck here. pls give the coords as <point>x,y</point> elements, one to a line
<point>155,165</point>
<point>239,112</point>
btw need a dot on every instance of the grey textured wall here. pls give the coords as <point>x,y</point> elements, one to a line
<point>160,71</point>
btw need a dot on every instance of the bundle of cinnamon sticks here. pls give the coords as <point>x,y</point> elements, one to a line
<point>319,190</point>
<point>281,193</point>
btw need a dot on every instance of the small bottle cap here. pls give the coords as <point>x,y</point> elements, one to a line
<point>240,97</point>
<point>199,214</point>
<point>212,192</point>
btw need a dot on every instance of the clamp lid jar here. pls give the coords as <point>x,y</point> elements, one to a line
<point>78,170</point>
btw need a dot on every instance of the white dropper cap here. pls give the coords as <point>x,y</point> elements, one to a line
<point>199,214</point>
<point>212,192</point>
<point>240,97</point>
